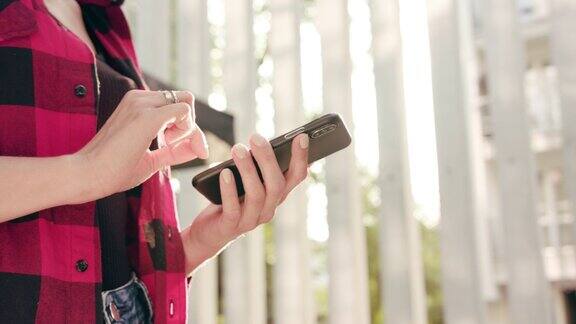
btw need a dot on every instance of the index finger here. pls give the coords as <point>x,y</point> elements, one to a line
<point>182,128</point>
<point>298,169</point>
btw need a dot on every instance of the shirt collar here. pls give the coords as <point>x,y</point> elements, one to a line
<point>16,20</point>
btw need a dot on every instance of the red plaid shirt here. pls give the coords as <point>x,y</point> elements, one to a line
<point>50,268</point>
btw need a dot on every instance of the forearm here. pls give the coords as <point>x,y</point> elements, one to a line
<point>31,184</point>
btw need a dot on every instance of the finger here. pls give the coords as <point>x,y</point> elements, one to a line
<point>298,169</point>
<point>158,99</point>
<point>199,143</point>
<point>174,154</point>
<point>182,126</point>
<point>172,114</point>
<point>231,208</point>
<point>274,182</point>
<point>180,129</point>
<point>255,193</point>
<point>179,117</point>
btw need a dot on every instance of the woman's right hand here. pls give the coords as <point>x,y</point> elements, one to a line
<point>118,157</point>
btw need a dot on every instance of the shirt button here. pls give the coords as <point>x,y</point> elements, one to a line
<point>80,91</point>
<point>81,265</point>
<point>171,308</point>
<point>169,233</point>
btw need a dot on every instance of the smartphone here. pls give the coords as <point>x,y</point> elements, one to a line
<point>328,134</point>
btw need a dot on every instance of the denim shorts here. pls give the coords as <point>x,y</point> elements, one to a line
<point>129,303</point>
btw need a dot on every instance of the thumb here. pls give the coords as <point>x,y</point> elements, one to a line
<point>173,154</point>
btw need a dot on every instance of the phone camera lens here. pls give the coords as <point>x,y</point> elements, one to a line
<point>324,130</point>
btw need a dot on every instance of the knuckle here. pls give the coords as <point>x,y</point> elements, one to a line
<point>256,198</point>
<point>229,231</point>
<point>266,218</point>
<point>233,214</point>
<point>182,107</point>
<point>187,108</point>
<point>259,197</point>
<point>252,225</point>
<point>269,156</point>
<point>245,226</point>
<point>303,174</point>
<point>132,94</point>
<point>276,190</point>
<point>188,96</point>
<point>281,183</point>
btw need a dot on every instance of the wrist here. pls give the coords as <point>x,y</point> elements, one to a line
<point>195,253</point>
<point>82,180</point>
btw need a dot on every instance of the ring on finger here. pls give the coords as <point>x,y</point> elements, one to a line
<point>174,96</point>
<point>170,96</point>
<point>167,96</point>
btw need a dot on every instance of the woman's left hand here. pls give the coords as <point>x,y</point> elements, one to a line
<point>217,225</point>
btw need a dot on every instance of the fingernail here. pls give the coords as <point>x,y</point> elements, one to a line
<point>258,140</point>
<point>205,141</point>
<point>240,151</point>
<point>304,141</point>
<point>227,175</point>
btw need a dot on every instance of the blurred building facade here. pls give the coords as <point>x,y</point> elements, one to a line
<point>503,88</point>
<point>554,208</point>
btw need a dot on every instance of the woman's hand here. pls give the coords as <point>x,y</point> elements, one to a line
<point>218,225</point>
<point>118,157</point>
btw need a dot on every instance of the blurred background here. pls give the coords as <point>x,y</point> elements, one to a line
<point>455,203</point>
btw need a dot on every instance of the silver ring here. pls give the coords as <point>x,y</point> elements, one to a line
<point>168,96</point>
<point>175,98</point>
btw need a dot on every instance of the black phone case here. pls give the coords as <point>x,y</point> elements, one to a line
<point>328,134</point>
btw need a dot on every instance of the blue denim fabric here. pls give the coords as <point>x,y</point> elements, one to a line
<point>129,303</point>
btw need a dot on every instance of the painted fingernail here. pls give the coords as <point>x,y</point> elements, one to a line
<point>304,141</point>
<point>240,151</point>
<point>258,140</point>
<point>227,176</point>
<point>206,146</point>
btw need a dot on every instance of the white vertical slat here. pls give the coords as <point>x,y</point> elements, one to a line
<point>291,277</point>
<point>244,266</point>
<point>193,47</point>
<point>403,293</point>
<point>203,294</point>
<point>348,293</point>
<point>563,48</point>
<point>549,182</point>
<point>460,161</point>
<point>152,36</point>
<point>528,289</point>
<point>193,74</point>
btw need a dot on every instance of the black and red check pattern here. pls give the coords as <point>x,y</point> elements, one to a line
<point>50,270</point>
